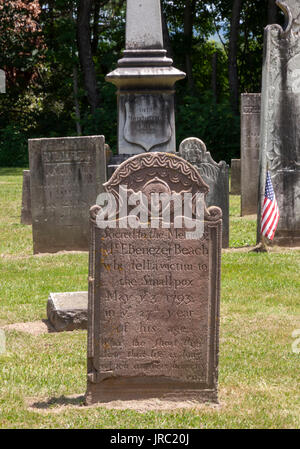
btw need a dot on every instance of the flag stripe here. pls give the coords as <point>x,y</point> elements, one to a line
<point>267,216</point>
<point>266,210</point>
<point>272,221</point>
<point>270,212</point>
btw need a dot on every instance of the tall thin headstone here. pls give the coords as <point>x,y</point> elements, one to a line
<point>250,145</point>
<point>280,115</point>
<point>153,327</point>
<point>145,80</point>
<point>216,176</point>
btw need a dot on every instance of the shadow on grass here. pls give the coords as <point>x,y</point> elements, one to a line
<point>49,326</point>
<point>61,401</point>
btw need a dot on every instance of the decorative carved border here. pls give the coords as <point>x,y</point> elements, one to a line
<point>156,159</point>
<point>293,22</point>
<point>163,160</point>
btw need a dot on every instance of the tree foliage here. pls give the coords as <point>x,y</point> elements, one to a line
<point>56,54</point>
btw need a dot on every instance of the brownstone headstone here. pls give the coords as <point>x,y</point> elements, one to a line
<point>153,319</point>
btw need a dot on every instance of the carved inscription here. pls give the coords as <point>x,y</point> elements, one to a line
<point>147,122</point>
<point>153,320</point>
<point>65,175</point>
<point>250,148</point>
<point>154,294</point>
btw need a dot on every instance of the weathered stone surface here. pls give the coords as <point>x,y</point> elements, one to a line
<point>145,80</point>
<point>26,218</point>
<point>68,311</point>
<point>143,25</point>
<point>215,175</point>
<point>235,188</point>
<point>154,295</point>
<point>250,144</point>
<point>66,176</point>
<point>280,143</point>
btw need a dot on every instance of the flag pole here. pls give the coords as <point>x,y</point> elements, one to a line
<point>263,238</point>
<point>262,246</point>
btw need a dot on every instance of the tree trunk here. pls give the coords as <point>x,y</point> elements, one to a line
<point>189,12</point>
<point>96,26</point>
<point>272,12</point>
<point>76,101</point>
<point>85,52</point>
<point>232,56</point>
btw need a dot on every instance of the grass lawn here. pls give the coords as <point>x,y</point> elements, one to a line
<point>259,381</point>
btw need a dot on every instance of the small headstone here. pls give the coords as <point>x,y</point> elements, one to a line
<point>235,188</point>
<point>68,311</point>
<point>66,176</point>
<point>280,144</point>
<point>145,80</point>
<point>26,218</point>
<point>250,144</point>
<point>153,325</point>
<point>215,175</point>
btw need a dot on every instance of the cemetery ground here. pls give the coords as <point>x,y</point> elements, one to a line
<point>43,375</point>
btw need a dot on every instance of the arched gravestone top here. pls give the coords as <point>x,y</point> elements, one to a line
<point>194,150</point>
<point>173,171</point>
<point>215,175</point>
<point>154,295</point>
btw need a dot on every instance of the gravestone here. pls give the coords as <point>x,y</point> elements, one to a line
<point>215,175</point>
<point>66,176</point>
<point>145,80</point>
<point>280,115</point>
<point>153,326</point>
<point>68,311</point>
<point>235,187</point>
<point>26,218</point>
<point>250,144</point>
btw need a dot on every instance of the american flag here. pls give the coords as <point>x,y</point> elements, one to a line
<point>270,213</point>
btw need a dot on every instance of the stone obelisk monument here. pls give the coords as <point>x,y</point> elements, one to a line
<point>280,119</point>
<point>145,80</point>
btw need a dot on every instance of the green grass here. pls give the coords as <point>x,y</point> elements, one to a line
<point>260,308</point>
